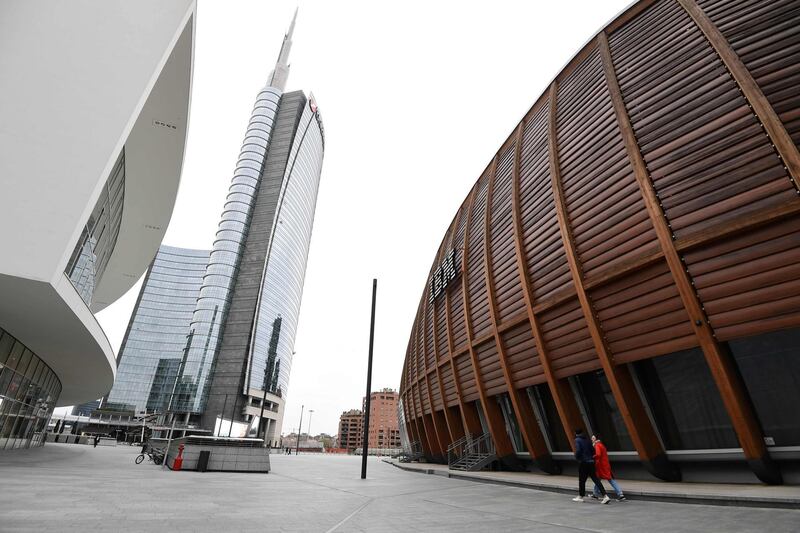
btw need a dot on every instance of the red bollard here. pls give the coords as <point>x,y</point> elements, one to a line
<point>178,462</point>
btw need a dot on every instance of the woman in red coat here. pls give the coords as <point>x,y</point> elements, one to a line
<point>603,468</point>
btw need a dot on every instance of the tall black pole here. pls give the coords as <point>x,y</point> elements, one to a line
<point>365,442</point>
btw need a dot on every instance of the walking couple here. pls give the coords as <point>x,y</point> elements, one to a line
<point>593,463</point>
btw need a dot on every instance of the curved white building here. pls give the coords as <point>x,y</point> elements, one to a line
<point>94,100</point>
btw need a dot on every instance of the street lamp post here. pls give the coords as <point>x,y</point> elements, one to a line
<point>172,396</point>
<point>310,412</point>
<point>299,431</point>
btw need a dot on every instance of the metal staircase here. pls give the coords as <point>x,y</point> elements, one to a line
<point>471,453</point>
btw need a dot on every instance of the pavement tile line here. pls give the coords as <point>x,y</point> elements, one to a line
<point>639,495</point>
<point>395,495</point>
<point>501,515</point>
<point>351,515</point>
<point>317,484</point>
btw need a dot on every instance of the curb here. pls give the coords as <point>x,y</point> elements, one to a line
<point>632,495</point>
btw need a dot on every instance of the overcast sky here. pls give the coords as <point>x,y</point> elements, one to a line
<point>416,97</point>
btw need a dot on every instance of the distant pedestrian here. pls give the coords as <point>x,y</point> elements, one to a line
<point>602,468</point>
<point>96,440</point>
<point>584,454</point>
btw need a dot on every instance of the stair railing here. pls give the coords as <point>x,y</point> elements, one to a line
<point>483,445</point>
<point>456,450</point>
<point>470,448</point>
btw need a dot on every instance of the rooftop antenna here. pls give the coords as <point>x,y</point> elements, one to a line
<point>279,75</point>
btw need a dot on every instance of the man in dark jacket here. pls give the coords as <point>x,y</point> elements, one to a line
<point>584,454</point>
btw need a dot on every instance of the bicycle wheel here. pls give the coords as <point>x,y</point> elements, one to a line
<point>139,459</point>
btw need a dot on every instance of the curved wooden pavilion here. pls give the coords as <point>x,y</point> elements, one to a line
<point>647,205</point>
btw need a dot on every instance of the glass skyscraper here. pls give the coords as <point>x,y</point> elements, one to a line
<point>158,333</point>
<point>282,287</point>
<point>235,348</point>
<point>259,259</point>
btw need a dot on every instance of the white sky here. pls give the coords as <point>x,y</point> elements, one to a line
<point>416,97</point>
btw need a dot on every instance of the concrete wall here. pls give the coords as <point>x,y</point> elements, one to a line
<point>224,458</point>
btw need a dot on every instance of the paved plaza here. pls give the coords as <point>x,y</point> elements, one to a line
<point>79,488</point>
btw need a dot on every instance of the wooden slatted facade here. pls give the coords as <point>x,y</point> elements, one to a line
<point>647,204</point>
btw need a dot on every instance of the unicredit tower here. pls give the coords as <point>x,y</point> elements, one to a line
<point>236,350</point>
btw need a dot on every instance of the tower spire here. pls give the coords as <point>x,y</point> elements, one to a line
<point>280,73</point>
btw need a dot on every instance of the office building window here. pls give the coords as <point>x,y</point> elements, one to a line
<point>512,427</point>
<point>601,410</point>
<point>770,367</point>
<point>547,416</point>
<point>685,402</point>
<point>481,417</point>
<point>93,250</point>
<point>29,390</point>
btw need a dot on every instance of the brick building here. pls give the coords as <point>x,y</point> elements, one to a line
<point>384,431</point>
<point>351,429</point>
<point>383,426</point>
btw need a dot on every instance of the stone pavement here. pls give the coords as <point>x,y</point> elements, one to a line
<point>78,488</point>
<point>730,494</point>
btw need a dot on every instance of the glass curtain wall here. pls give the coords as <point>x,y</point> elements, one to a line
<point>770,367</point>
<point>600,407</point>
<point>223,265</point>
<point>99,236</point>
<point>282,284</point>
<point>512,427</point>
<point>547,416</point>
<point>29,390</point>
<point>158,334</point>
<point>405,441</point>
<point>482,418</point>
<point>685,402</point>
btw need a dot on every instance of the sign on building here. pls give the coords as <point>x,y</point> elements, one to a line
<point>444,274</point>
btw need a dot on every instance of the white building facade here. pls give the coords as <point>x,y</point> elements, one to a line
<point>94,100</point>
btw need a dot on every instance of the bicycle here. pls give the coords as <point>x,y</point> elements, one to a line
<point>155,455</point>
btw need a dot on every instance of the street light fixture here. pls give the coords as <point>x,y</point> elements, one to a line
<point>310,412</point>
<point>299,431</point>
<point>170,407</point>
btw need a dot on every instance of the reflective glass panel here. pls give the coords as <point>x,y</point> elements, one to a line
<point>685,402</point>
<point>602,411</point>
<point>512,427</point>
<point>547,416</point>
<point>770,367</point>
<point>25,402</point>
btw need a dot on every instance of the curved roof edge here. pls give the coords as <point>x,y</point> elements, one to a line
<point>154,152</point>
<point>54,323</point>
